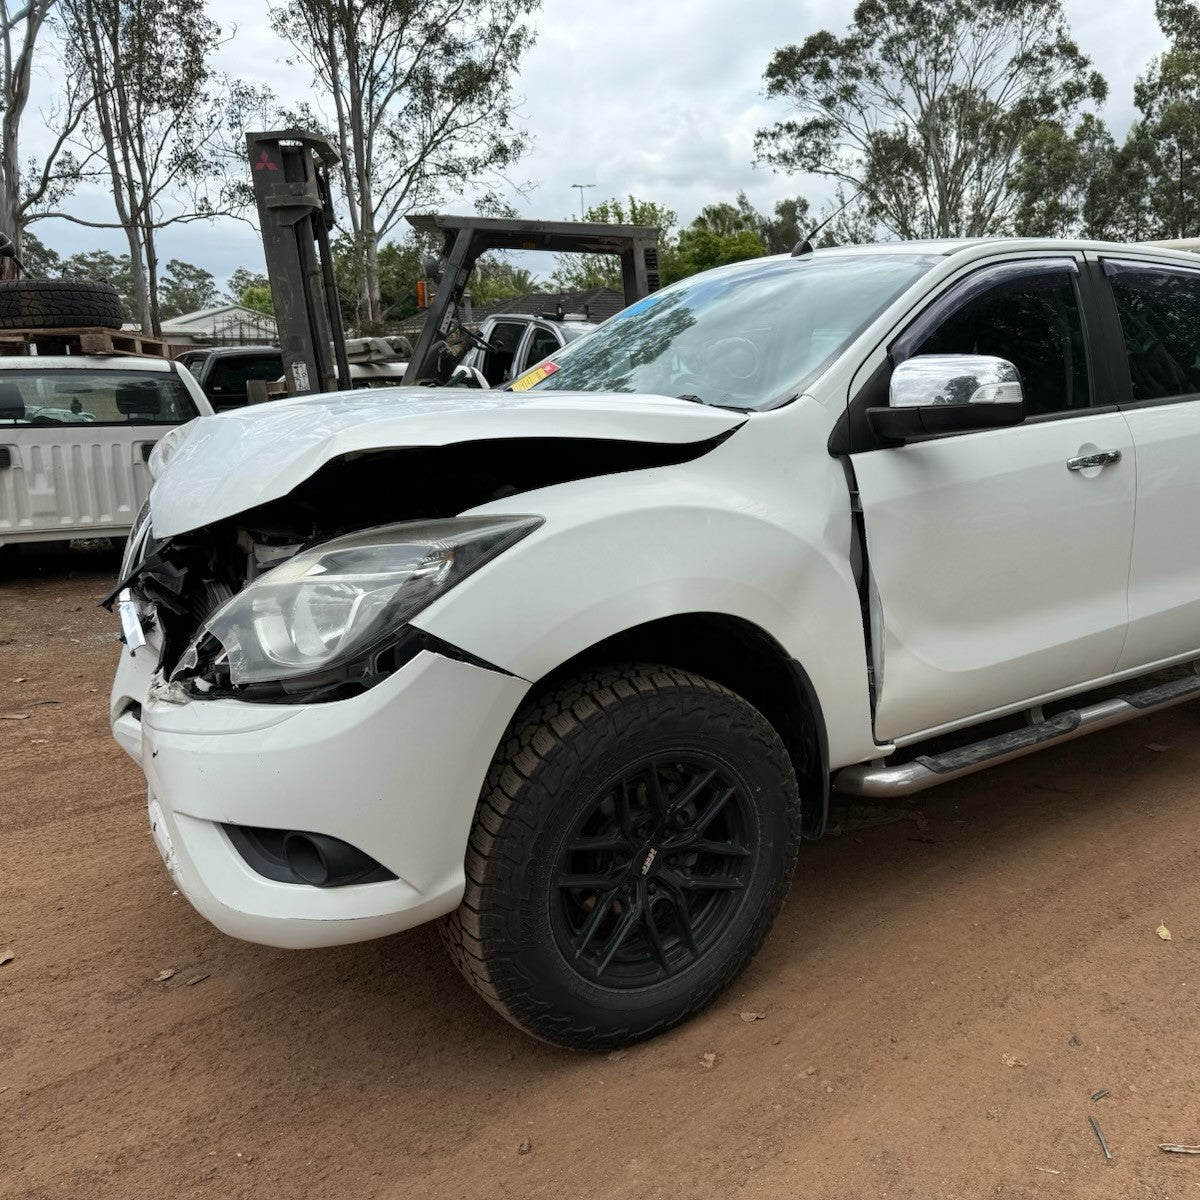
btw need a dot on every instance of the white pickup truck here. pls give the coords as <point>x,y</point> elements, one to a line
<point>75,435</point>
<point>573,666</point>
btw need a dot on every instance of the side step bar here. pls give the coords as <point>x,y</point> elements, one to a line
<point>869,779</point>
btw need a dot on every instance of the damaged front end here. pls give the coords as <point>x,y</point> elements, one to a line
<point>307,598</point>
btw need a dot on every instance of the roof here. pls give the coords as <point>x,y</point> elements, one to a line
<point>218,317</point>
<point>599,304</point>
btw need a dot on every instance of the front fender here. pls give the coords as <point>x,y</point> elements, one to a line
<point>618,551</point>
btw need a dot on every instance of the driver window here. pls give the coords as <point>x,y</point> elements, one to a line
<point>1034,323</point>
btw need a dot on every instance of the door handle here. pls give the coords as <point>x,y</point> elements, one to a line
<point>1100,459</point>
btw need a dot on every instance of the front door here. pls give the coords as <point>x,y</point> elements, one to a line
<point>999,565</point>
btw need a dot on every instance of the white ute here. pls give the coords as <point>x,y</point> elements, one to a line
<point>573,666</point>
<point>76,432</point>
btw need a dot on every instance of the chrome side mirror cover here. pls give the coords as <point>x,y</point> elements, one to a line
<point>933,394</point>
<point>929,379</point>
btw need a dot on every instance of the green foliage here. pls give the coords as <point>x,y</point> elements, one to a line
<point>39,260</point>
<point>186,288</point>
<point>257,297</point>
<point>107,268</point>
<point>495,278</point>
<point>925,106</point>
<point>700,249</point>
<point>1168,135</point>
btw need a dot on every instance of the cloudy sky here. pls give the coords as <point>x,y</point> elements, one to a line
<point>659,99</point>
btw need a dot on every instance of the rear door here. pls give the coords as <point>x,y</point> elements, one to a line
<point>998,569</point>
<point>74,444</point>
<point>1157,319</point>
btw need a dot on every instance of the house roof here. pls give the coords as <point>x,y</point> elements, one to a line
<point>219,317</point>
<point>599,303</point>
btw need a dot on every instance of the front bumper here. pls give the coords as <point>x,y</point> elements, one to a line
<point>396,771</point>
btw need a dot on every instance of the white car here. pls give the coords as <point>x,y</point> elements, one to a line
<point>508,344</point>
<point>573,668</point>
<point>75,434</point>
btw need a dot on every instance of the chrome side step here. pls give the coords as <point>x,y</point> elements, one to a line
<point>869,779</point>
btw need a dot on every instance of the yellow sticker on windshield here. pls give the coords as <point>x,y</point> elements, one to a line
<point>524,382</point>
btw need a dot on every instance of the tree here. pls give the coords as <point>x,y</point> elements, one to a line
<point>162,120</point>
<point>581,272</point>
<point>40,261</point>
<point>107,268</point>
<point>257,296</point>
<point>422,100</point>
<point>1168,98</point>
<point>186,288</point>
<point>244,278</point>
<point>699,249</point>
<point>48,181</point>
<point>790,222</point>
<point>496,278</point>
<point>925,106</point>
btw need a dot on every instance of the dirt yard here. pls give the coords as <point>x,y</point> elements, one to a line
<point>941,999</point>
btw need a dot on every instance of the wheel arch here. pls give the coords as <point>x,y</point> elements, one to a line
<point>746,659</point>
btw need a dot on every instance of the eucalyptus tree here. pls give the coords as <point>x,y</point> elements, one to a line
<point>420,97</point>
<point>924,105</point>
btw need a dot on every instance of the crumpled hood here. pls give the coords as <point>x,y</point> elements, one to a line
<point>238,460</point>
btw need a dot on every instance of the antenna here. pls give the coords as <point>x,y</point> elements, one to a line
<point>805,246</point>
<point>581,187</point>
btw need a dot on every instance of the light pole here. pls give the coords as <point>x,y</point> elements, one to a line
<point>581,187</point>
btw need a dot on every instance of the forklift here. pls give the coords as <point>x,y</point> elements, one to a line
<point>291,171</point>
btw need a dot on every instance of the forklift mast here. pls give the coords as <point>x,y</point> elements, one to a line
<point>464,239</point>
<point>290,169</point>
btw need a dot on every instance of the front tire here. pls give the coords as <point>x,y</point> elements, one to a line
<point>634,841</point>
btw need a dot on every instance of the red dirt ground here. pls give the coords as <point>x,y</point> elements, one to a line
<point>909,968</point>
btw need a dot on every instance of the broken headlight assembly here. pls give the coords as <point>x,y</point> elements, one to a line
<point>327,617</point>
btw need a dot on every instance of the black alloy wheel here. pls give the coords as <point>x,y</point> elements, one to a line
<point>653,872</point>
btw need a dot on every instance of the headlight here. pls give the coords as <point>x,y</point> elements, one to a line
<point>337,602</point>
<point>135,545</point>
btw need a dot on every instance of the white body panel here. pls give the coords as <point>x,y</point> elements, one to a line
<point>998,573</point>
<point>77,481</point>
<point>244,458</point>
<point>1164,573</point>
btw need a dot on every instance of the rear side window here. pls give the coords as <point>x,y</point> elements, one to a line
<point>1032,321</point>
<point>70,397</point>
<point>1160,319</point>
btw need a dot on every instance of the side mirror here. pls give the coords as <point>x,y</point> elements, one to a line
<point>949,393</point>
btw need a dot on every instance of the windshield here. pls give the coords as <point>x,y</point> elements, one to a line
<point>738,337</point>
<point>69,396</point>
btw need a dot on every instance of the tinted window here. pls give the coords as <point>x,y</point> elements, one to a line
<point>1160,318</point>
<point>1033,322</point>
<point>229,375</point>
<point>745,336</point>
<point>69,397</point>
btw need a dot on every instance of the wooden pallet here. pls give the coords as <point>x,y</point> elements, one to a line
<point>82,340</point>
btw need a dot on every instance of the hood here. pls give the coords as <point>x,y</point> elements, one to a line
<point>238,460</point>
